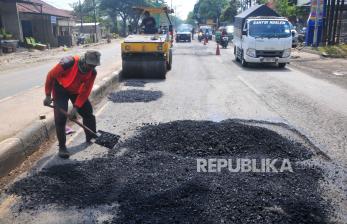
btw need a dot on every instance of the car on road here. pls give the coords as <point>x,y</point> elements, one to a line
<point>184,33</point>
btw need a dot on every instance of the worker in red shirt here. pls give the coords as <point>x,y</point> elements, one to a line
<point>72,79</point>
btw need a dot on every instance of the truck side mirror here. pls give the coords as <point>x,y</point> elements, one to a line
<point>244,32</point>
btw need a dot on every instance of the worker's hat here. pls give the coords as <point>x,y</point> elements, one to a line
<point>92,57</point>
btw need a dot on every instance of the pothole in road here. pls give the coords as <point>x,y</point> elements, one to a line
<point>156,180</point>
<point>132,96</point>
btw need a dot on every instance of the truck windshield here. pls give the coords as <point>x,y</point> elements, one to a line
<point>269,28</point>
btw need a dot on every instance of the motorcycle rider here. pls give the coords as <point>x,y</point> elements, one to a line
<point>224,39</point>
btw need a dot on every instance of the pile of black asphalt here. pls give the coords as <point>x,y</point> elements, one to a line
<point>132,96</point>
<point>156,180</point>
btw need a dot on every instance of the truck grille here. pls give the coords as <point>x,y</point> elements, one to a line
<point>269,53</point>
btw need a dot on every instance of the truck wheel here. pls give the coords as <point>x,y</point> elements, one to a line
<point>235,54</point>
<point>169,64</point>
<point>243,61</point>
<point>282,65</point>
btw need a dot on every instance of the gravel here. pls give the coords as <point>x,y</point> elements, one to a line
<point>156,180</point>
<point>132,96</point>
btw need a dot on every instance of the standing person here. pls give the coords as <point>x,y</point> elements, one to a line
<point>72,79</point>
<point>193,32</point>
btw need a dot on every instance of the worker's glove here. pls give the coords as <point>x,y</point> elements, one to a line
<point>73,113</point>
<point>47,101</point>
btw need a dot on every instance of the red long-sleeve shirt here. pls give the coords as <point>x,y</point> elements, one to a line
<point>81,85</point>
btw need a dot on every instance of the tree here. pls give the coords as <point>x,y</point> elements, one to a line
<point>283,7</point>
<point>209,9</point>
<point>190,19</point>
<point>229,13</point>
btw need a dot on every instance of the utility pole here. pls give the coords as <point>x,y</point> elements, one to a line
<point>80,6</point>
<point>338,5</point>
<point>315,34</point>
<point>331,22</point>
<point>95,28</point>
<point>326,22</point>
<point>340,21</point>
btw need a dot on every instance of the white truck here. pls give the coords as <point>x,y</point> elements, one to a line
<point>262,39</point>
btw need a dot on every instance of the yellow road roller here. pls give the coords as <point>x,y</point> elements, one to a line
<point>148,54</point>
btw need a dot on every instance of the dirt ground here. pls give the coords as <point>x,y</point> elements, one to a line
<point>332,69</point>
<point>25,57</point>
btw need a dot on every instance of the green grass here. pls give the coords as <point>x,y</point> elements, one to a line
<point>336,51</point>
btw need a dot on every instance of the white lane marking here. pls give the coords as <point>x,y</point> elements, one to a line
<point>338,73</point>
<point>249,85</point>
<point>6,98</point>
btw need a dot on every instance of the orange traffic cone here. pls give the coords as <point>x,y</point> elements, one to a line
<point>217,50</point>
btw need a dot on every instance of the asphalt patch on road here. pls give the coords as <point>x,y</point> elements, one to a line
<point>133,96</point>
<point>135,83</point>
<point>157,181</point>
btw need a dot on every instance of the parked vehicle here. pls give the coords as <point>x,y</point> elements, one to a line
<point>301,34</point>
<point>261,36</point>
<point>295,35</point>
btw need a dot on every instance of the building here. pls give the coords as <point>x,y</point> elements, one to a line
<point>37,19</point>
<point>89,30</point>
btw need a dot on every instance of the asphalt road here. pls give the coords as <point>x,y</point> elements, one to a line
<point>151,177</point>
<point>19,80</point>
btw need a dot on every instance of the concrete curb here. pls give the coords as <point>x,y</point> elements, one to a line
<point>13,151</point>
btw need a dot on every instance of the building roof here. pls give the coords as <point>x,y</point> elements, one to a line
<point>34,6</point>
<point>257,10</point>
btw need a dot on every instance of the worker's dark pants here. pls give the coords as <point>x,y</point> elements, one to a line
<point>61,98</point>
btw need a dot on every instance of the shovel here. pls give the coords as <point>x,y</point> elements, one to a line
<point>102,138</point>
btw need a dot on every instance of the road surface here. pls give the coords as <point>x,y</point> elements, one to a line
<point>208,107</point>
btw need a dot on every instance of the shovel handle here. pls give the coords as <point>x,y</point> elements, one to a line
<point>74,120</point>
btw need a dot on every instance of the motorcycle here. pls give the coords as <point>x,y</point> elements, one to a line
<point>224,41</point>
<point>200,36</point>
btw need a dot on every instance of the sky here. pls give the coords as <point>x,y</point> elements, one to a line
<point>183,7</point>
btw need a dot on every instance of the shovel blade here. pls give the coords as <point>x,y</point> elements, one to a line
<point>107,139</point>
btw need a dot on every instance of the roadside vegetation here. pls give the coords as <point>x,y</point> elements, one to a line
<point>335,51</point>
<point>108,12</point>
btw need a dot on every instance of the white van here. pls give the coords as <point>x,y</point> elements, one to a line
<point>263,39</point>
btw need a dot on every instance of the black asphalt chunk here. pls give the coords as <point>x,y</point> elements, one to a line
<point>158,182</point>
<point>135,83</point>
<point>132,96</point>
<point>207,138</point>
